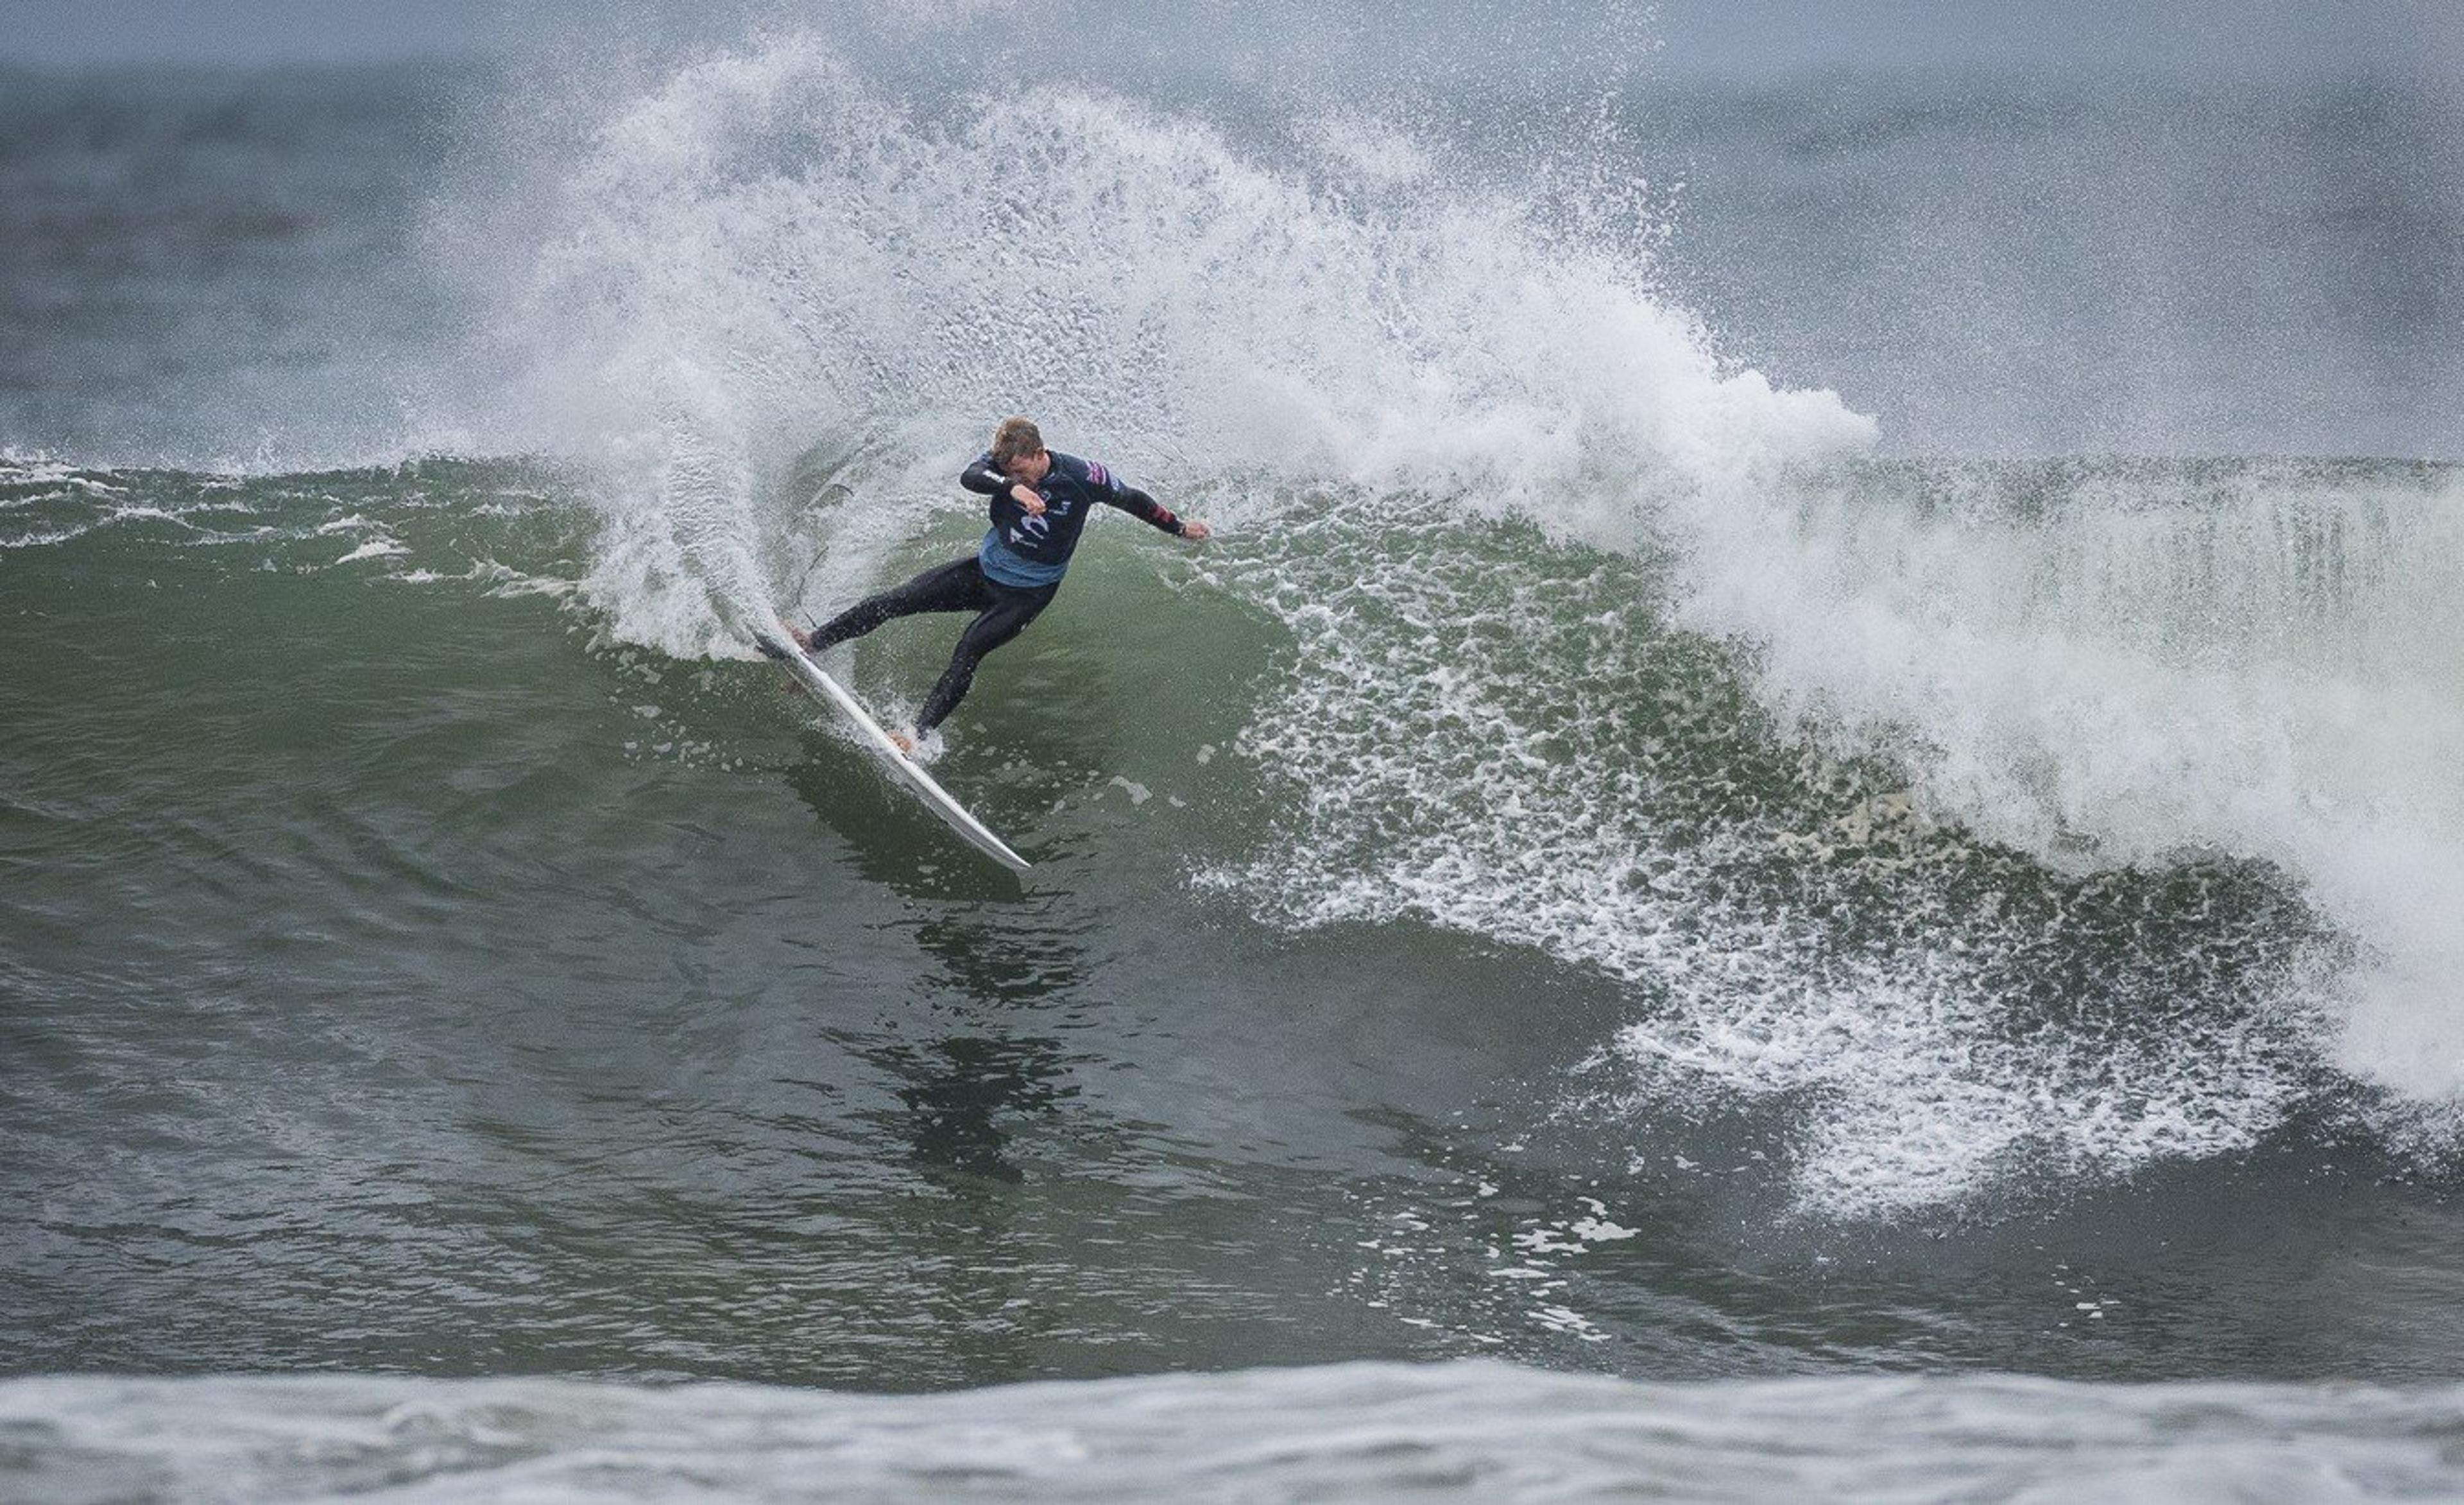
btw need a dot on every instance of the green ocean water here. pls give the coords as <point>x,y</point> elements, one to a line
<point>464,961</point>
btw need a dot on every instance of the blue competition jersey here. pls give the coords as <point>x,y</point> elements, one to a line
<point>1026,551</point>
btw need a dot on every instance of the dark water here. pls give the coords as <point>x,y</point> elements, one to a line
<point>1605,864</point>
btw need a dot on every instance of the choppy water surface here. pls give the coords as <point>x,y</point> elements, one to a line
<point>1355,1431</point>
<point>1767,916</point>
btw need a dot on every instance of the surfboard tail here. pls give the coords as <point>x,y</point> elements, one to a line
<point>952,814</point>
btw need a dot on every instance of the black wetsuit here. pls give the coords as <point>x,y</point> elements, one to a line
<point>1009,578</point>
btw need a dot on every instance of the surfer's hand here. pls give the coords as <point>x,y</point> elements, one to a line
<point>1195,531</point>
<point>799,636</point>
<point>1026,497</point>
<point>903,743</point>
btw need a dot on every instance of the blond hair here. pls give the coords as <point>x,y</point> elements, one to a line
<point>1016,439</point>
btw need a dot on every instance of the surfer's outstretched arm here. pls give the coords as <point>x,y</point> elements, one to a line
<point>1154,514</point>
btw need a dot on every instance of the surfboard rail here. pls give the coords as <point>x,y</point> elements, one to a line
<point>938,799</point>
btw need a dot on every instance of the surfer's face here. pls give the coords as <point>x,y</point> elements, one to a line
<point>1029,468</point>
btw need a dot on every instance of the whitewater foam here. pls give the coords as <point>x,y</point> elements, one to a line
<point>1345,1430</point>
<point>768,251</point>
<point>2119,664</point>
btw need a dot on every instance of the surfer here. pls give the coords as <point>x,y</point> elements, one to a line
<point>1040,500</point>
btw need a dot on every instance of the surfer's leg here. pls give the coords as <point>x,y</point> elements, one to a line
<point>958,586</point>
<point>1007,617</point>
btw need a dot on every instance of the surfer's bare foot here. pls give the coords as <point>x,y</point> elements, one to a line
<point>903,743</point>
<point>799,636</point>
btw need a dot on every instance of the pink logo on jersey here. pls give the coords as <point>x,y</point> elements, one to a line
<point>1096,473</point>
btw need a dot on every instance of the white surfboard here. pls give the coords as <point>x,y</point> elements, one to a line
<point>953,813</point>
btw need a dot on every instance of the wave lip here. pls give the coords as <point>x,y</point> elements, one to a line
<point>2114,664</point>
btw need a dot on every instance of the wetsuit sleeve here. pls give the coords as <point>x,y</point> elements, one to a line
<point>1138,505</point>
<point>1130,500</point>
<point>982,476</point>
